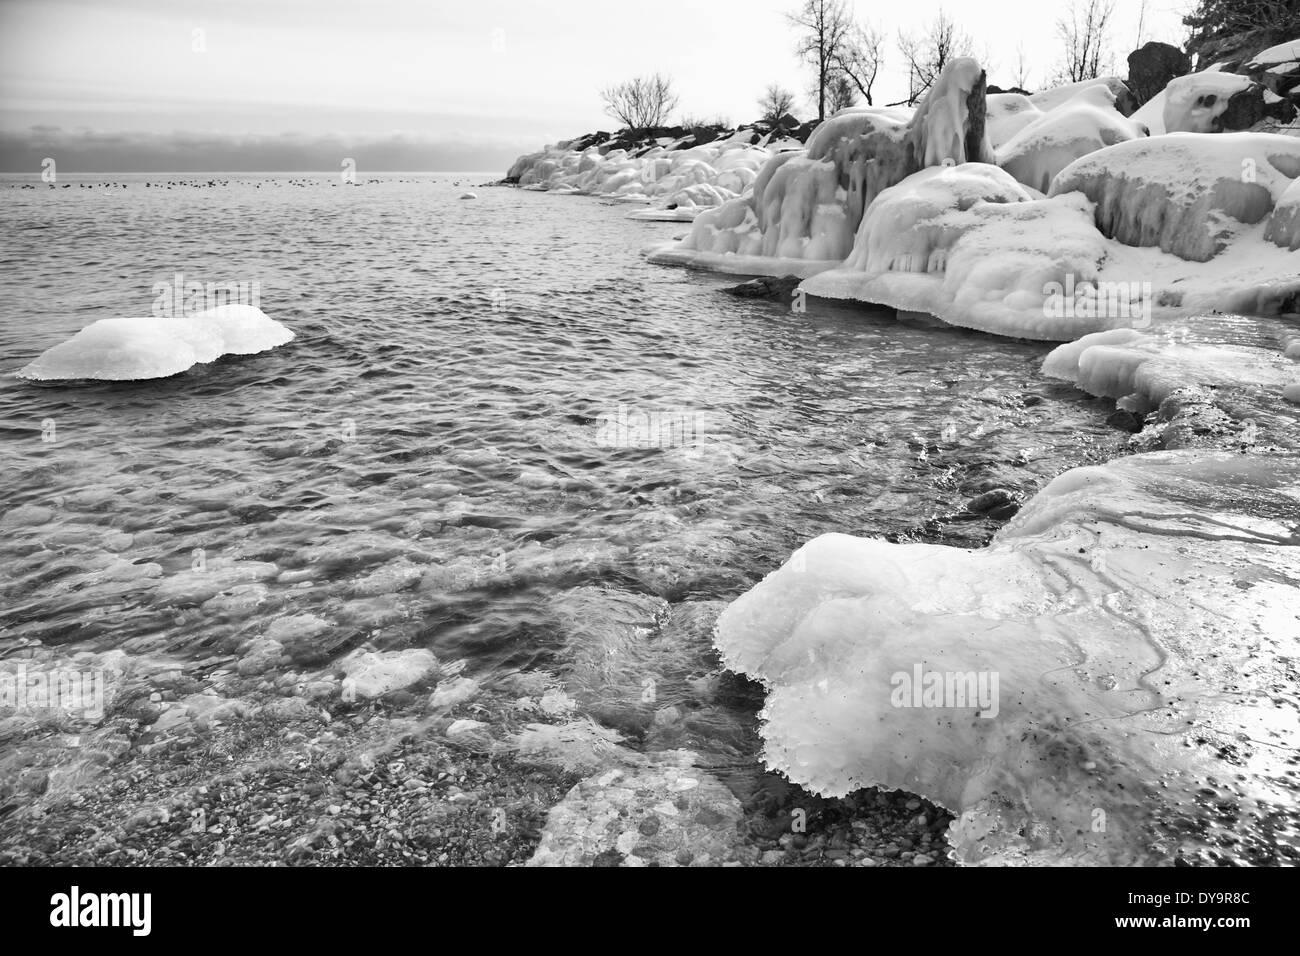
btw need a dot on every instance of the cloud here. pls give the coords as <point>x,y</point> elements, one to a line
<point>88,150</point>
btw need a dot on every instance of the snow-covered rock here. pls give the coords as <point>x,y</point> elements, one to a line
<point>1195,103</point>
<point>805,207</point>
<point>1284,223</point>
<point>1089,688</point>
<point>132,349</point>
<point>1190,193</point>
<point>1083,124</point>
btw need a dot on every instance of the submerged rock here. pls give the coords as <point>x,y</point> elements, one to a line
<point>665,813</point>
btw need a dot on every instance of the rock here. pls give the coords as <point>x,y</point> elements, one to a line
<point>1126,421</point>
<point>1152,67</point>
<point>989,501</point>
<point>372,674</point>
<point>263,654</point>
<point>607,819</point>
<point>778,290</point>
<point>468,195</point>
<point>461,728</point>
<point>453,692</point>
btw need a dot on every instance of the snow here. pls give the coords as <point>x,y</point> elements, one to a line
<point>1007,115</point>
<point>1109,642</point>
<point>1283,58</point>
<point>1142,370</point>
<point>1191,103</point>
<point>1048,100</point>
<point>1085,123</point>
<point>143,348</point>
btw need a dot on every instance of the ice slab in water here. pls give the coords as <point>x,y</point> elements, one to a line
<point>132,349</point>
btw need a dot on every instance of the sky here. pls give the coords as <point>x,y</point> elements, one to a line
<point>410,85</point>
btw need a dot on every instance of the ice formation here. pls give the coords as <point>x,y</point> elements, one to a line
<point>131,349</point>
<point>675,179</point>
<point>805,207</point>
<point>1142,370</point>
<point>1105,683</point>
<point>1190,194</point>
<point>1048,100</point>
<point>1083,124</point>
<point>1130,234</point>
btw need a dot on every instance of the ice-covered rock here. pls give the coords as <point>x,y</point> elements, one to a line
<point>1048,100</point>
<point>132,349</point>
<point>1284,224</point>
<point>968,246</point>
<point>1083,124</point>
<point>1188,193</point>
<point>805,207</point>
<point>1142,370</point>
<point>1007,114</point>
<point>1105,683</point>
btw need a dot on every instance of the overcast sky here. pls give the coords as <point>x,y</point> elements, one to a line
<point>425,84</point>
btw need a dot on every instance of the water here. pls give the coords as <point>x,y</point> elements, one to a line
<point>437,458</point>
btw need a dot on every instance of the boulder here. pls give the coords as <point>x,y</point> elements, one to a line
<point>1152,67</point>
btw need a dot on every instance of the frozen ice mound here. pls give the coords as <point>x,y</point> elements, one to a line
<point>1105,683</point>
<point>990,254</point>
<point>1142,370</point>
<point>1188,193</point>
<point>1084,124</point>
<point>144,348</point>
<point>807,205</point>
<point>1284,224</point>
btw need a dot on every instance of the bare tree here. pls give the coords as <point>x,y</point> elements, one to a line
<point>927,54</point>
<point>1022,67</point>
<point>775,103</point>
<point>1085,33</point>
<point>642,102</point>
<point>1142,22</point>
<point>840,93</point>
<point>859,57</point>
<point>823,26</point>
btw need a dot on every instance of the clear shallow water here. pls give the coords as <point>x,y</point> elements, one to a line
<point>436,459</point>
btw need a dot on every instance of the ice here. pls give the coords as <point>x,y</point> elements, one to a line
<point>677,180</point>
<point>1085,123</point>
<point>928,246</point>
<point>806,206</point>
<point>1188,193</point>
<point>1142,370</point>
<point>132,349</point>
<point>1112,637</point>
